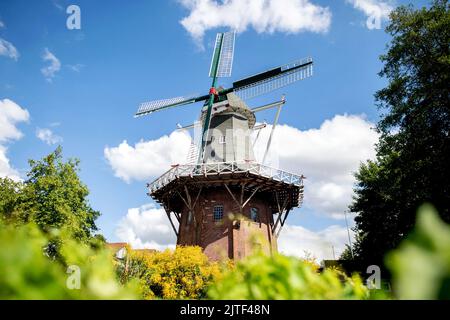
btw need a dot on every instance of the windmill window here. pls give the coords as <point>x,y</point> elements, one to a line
<point>222,140</point>
<point>254,214</point>
<point>218,213</point>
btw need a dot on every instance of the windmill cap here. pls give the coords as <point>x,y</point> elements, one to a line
<point>234,104</point>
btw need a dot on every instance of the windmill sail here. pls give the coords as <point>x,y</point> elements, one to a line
<point>224,49</point>
<point>273,79</point>
<point>157,105</point>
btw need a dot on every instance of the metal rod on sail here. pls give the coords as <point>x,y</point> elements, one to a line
<point>268,106</point>
<point>259,128</point>
<point>273,129</point>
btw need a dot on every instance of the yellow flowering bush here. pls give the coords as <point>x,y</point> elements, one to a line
<point>311,260</point>
<point>183,273</point>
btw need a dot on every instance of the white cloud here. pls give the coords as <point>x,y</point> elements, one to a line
<point>7,49</point>
<point>75,67</point>
<point>48,136</point>
<point>58,5</point>
<point>53,67</point>
<point>10,115</point>
<point>148,158</point>
<point>55,124</point>
<point>289,16</point>
<point>327,156</point>
<point>146,227</point>
<point>375,10</point>
<point>2,24</point>
<point>5,167</point>
<point>297,241</point>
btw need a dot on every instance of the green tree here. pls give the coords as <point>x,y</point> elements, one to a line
<point>52,197</point>
<point>9,199</point>
<point>413,155</point>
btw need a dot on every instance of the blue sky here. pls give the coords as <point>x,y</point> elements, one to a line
<point>125,54</point>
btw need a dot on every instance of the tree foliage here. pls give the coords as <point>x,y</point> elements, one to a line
<point>413,154</point>
<point>52,197</point>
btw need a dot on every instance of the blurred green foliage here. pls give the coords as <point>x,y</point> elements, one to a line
<point>421,264</point>
<point>280,277</point>
<point>26,272</point>
<point>420,269</point>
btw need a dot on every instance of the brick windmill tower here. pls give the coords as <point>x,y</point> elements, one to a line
<point>223,199</point>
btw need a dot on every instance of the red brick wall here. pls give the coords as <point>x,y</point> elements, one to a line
<point>222,239</point>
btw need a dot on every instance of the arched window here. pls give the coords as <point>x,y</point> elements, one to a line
<point>254,214</point>
<point>218,213</point>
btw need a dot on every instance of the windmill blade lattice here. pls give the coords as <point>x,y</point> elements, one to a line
<point>273,79</point>
<point>224,43</point>
<point>157,105</point>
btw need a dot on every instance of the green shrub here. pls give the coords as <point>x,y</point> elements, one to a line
<point>26,272</point>
<point>280,277</point>
<point>420,267</point>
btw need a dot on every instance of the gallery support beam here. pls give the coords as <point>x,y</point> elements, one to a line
<point>241,203</point>
<point>168,212</point>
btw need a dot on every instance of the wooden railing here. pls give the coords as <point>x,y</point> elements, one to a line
<point>219,168</point>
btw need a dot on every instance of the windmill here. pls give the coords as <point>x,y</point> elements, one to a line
<point>225,195</point>
<point>250,87</point>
